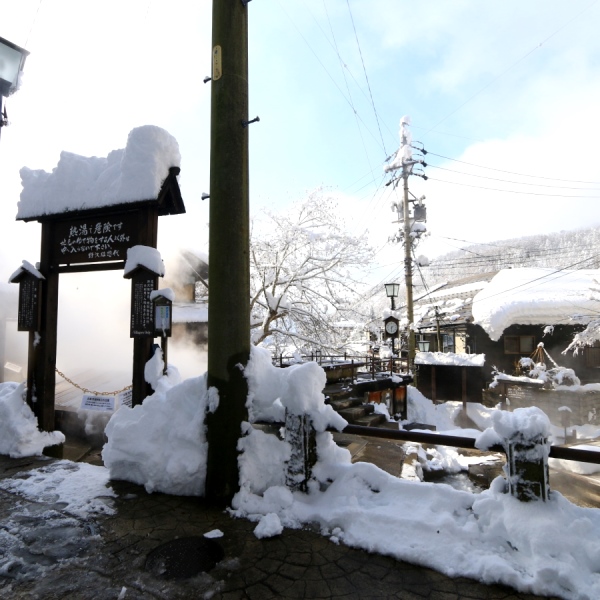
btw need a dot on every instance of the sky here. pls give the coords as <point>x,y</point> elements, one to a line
<point>513,87</point>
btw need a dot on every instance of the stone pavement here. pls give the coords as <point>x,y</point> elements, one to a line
<point>119,556</point>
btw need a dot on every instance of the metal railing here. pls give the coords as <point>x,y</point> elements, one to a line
<point>369,363</point>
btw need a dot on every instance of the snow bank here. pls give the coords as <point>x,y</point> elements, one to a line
<point>532,296</point>
<point>450,358</point>
<point>132,174</point>
<point>161,444</point>
<point>19,433</point>
<point>423,410</point>
<point>297,388</point>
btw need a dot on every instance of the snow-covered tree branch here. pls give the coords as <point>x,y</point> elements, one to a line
<point>305,276</point>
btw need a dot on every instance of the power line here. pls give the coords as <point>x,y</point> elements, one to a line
<point>480,187</point>
<point>327,71</point>
<point>347,86</point>
<point>366,77</point>
<point>515,182</point>
<point>511,172</point>
<point>513,65</point>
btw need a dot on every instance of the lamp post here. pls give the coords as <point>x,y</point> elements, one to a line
<point>12,60</point>
<point>392,290</point>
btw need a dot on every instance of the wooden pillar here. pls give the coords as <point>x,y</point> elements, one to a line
<point>464,387</point>
<point>42,344</point>
<point>142,345</point>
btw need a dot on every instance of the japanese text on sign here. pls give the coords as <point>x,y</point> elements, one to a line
<point>142,317</point>
<point>99,240</point>
<point>99,403</point>
<point>28,304</point>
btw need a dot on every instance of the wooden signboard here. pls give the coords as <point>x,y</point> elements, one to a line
<point>29,303</point>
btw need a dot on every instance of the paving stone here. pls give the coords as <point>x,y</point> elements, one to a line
<point>296,564</point>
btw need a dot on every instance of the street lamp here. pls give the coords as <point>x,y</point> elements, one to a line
<point>423,345</point>
<point>12,60</point>
<point>392,290</point>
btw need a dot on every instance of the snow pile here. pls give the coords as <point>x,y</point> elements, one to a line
<point>82,488</point>
<point>132,174</point>
<point>297,389</point>
<point>535,296</point>
<point>161,444</point>
<point>450,358</point>
<point>144,256</point>
<point>423,410</point>
<point>19,433</point>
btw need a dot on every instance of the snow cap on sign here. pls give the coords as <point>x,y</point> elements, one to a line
<point>132,174</point>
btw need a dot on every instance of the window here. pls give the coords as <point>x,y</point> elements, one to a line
<point>448,343</point>
<point>592,357</point>
<point>519,344</point>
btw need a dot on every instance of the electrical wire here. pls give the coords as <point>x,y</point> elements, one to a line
<point>480,187</point>
<point>366,76</point>
<point>512,172</point>
<point>327,71</point>
<point>566,187</point>
<point>513,65</point>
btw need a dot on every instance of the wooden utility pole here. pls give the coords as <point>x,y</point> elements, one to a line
<point>408,267</point>
<point>229,241</point>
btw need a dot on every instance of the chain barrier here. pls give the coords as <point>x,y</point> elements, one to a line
<point>93,392</point>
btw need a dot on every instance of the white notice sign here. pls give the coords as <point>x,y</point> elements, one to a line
<point>126,398</point>
<point>101,403</point>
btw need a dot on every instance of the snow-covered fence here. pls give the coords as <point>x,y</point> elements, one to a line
<point>582,401</point>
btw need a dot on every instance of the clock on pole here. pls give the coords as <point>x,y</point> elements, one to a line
<point>391,329</point>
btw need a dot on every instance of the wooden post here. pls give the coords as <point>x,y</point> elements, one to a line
<point>302,437</point>
<point>527,466</point>
<point>229,247</point>
<point>41,382</point>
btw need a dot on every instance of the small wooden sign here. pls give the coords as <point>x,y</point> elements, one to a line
<point>126,398</point>
<point>163,315</point>
<point>142,308</point>
<point>29,303</point>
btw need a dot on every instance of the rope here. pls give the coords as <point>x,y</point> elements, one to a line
<point>87,391</point>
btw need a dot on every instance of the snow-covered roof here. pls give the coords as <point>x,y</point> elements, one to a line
<point>535,296</point>
<point>450,358</point>
<point>25,267</point>
<point>132,174</point>
<point>144,256</point>
<point>190,313</point>
<point>163,293</point>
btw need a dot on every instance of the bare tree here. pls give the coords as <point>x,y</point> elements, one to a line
<point>305,277</point>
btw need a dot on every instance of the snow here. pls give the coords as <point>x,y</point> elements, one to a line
<point>81,487</point>
<point>190,313</point>
<point>167,293</point>
<point>535,296</point>
<point>144,256</point>
<point>132,174</point>
<point>450,358</point>
<point>19,434</point>
<point>28,267</point>
<point>545,548</point>
<point>161,444</point>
